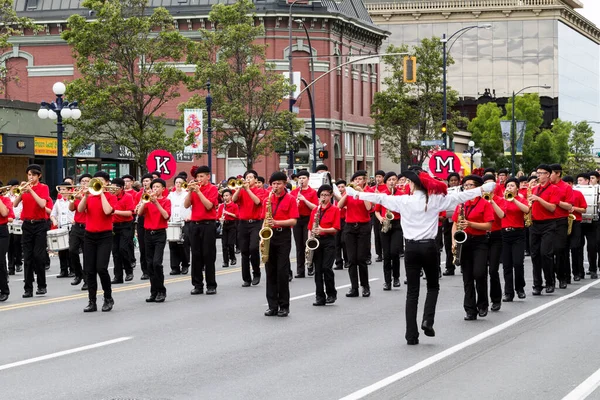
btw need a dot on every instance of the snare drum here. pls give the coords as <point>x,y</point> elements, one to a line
<point>10,228</point>
<point>450,211</point>
<point>58,239</point>
<point>590,193</point>
<point>17,227</point>
<point>175,231</point>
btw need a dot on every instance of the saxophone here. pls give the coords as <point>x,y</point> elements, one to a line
<point>313,242</point>
<point>386,225</point>
<point>459,237</point>
<point>570,223</point>
<point>266,232</point>
<point>528,220</point>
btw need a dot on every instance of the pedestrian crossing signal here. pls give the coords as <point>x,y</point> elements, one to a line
<point>410,69</point>
<point>323,154</point>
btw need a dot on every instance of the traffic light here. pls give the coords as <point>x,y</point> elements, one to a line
<point>410,69</point>
<point>323,154</point>
<point>444,128</point>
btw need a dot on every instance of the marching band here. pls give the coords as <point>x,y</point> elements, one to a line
<point>483,222</point>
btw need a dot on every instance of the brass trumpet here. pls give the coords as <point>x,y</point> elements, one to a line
<point>487,196</point>
<point>189,185</point>
<point>509,196</point>
<point>19,189</point>
<point>356,187</point>
<point>146,197</point>
<point>4,190</point>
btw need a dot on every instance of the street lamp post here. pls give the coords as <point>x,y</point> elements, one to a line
<point>513,126</point>
<point>59,109</point>
<point>474,153</point>
<point>291,99</point>
<point>209,126</point>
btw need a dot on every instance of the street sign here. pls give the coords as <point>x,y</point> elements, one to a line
<point>432,142</point>
<point>444,162</point>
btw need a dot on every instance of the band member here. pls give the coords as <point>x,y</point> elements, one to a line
<point>62,217</point>
<point>589,230</point>
<point>122,236</point>
<point>358,236</point>
<point>544,201</point>
<point>380,187</point>
<point>513,234</point>
<point>77,234</point>
<point>419,216</point>
<point>594,178</point>
<point>156,212</point>
<point>34,196</point>
<point>495,244</point>
<point>307,201</point>
<point>203,198</point>
<point>453,180</point>
<point>392,237</point>
<point>478,217</point>
<point>179,250</point>
<point>227,213</point>
<point>249,199</point>
<point>284,214</point>
<point>141,232</point>
<point>6,213</point>
<point>576,238</point>
<point>502,177</point>
<point>341,255</point>
<point>98,241</point>
<point>129,180</point>
<point>15,252</point>
<point>561,214</point>
<point>328,218</point>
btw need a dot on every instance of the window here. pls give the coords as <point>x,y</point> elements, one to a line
<point>359,145</point>
<point>349,143</point>
<point>234,151</point>
<point>370,144</point>
<point>349,169</point>
<point>370,168</point>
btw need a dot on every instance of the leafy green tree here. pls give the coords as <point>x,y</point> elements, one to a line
<point>124,57</point>
<point>580,149</point>
<point>247,92</point>
<point>487,134</point>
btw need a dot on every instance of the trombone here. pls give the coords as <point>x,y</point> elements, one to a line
<point>97,186</point>
<point>4,190</point>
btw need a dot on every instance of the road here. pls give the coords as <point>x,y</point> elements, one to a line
<point>196,347</point>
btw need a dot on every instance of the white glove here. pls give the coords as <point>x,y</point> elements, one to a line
<point>336,191</point>
<point>489,187</point>
<point>351,192</point>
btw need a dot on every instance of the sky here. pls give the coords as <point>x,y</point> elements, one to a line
<point>591,10</point>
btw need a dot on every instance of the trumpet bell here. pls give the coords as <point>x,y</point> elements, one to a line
<point>145,198</point>
<point>509,196</point>
<point>487,196</point>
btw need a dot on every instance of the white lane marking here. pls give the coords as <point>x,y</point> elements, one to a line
<point>337,287</point>
<point>64,353</point>
<point>586,388</point>
<point>359,394</point>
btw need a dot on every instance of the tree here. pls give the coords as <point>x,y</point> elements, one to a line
<point>407,113</point>
<point>580,148</point>
<point>487,134</point>
<point>247,92</point>
<point>123,57</point>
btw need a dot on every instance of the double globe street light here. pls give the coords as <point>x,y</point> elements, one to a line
<point>57,110</point>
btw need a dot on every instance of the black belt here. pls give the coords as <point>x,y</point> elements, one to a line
<point>420,241</point>
<point>511,229</point>
<point>77,224</point>
<point>357,223</point>
<point>228,222</point>
<point>203,222</point>
<point>251,221</point>
<point>34,221</point>
<point>156,231</point>
<point>281,229</point>
<point>122,223</point>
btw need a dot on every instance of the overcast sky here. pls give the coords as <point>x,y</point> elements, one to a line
<point>591,10</point>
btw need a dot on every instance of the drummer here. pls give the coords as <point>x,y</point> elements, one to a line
<point>62,218</point>
<point>15,253</point>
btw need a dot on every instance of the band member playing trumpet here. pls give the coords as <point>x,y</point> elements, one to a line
<point>203,198</point>
<point>99,207</point>
<point>6,213</point>
<point>495,244</point>
<point>122,238</point>
<point>561,215</point>
<point>227,214</point>
<point>77,234</point>
<point>307,201</point>
<point>282,209</point>
<point>391,234</point>
<point>34,196</point>
<point>62,217</point>
<point>453,180</point>
<point>589,231</point>
<point>156,212</point>
<point>575,238</point>
<point>323,225</point>
<point>341,255</point>
<point>141,232</point>
<point>180,250</point>
<point>15,251</point>
<point>129,179</point>
<point>515,207</point>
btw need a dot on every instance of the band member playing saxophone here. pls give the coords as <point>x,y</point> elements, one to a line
<point>323,226</point>
<point>391,234</point>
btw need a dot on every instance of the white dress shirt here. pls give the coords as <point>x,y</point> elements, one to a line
<point>61,212</point>
<point>417,222</point>
<point>178,211</point>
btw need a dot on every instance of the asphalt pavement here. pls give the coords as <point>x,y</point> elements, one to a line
<point>198,347</point>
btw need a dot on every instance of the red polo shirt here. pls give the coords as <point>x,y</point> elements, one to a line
<point>80,217</point>
<point>579,202</point>
<point>124,203</point>
<point>499,190</point>
<point>513,216</point>
<point>11,213</point>
<point>478,210</point>
<point>31,209</point>
<point>329,217</point>
<point>199,212</point>
<point>497,224</point>
<point>566,195</point>
<point>229,207</point>
<point>549,193</point>
<point>283,207</point>
<point>311,196</point>
<point>356,212</point>
<point>247,208</point>
<point>97,220</point>
<point>153,220</point>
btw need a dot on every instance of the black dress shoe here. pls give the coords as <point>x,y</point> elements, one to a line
<point>225,266</point>
<point>471,317</point>
<point>175,272</point>
<point>27,293</point>
<point>211,290</point>
<point>412,342</point>
<point>549,289</point>
<point>507,298</point>
<point>483,312</point>
<point>346,265</point>
<point>284,312</point>
<point>184,270</point>
<point>233,261</point>
<point>387,286</point>
<point>108,305</point>
<point>521,295</point>
<point>496,306</point>
<point>576,278</point>
<point>11,271</point>
<point>3,297</point>
<point>128,277</point>
<point>271,312</point>
<point>299,276</point>
<point>338,267</point>
<point>352,293</point>
<point>63,274</point>
<point>161,297</point>
<point>593,275</point>
<point>290,278</point>
<point>151,299</point>
<point>421,273</point>
<point>396,282</point>
<point>427,327</point>
<point>537,291</point>
<point>562,285</point>
<point>311,270</point>
<point>238,251</point>
<point>91,307</point>
<point>84,287</point>
<point>245,284</point>
<point>197,290</point>
<point>116,281</point>
<point>144,277</point>
<point>71,274</point>
<point>76,281</point>
<point>379,259</point>
<point>330,299</point>
<point>256,280</point>
<point>47,267</point>
<point>369,261</point>
<point>19,268</point>
<point>319,302</point>
<point>366,292</point>
<point>41,291</point>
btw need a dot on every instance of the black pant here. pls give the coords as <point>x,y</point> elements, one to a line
<point>513,259</point>
<point>377,231</point>
<point>203,238</point>
<point>323,259</point>
<point>561,250</point>
<point>341,255</point>
<point>15,252</point>
<point>155,250</point>
<point>358,243</point>
<point>300,238</point>
<point>277,269</point>
<point>248,240</point>
<point>228,241</point>
<point>494,256</point>
<point>447,228</point>
<point>474,265</point>
<point>417,255</point>
<point>121,249</point>
<point>589,233</point>
<point>141,234</point>
<point>132,242</point>
<point>63,258</point>
<point>390,244</point>
<point>3,249</point>
<point>576,247</point>
<point>541,237</point>
<point>34,253</point>
<point>180,251</point>
<point>75,244</point>
<point>96,255</point>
